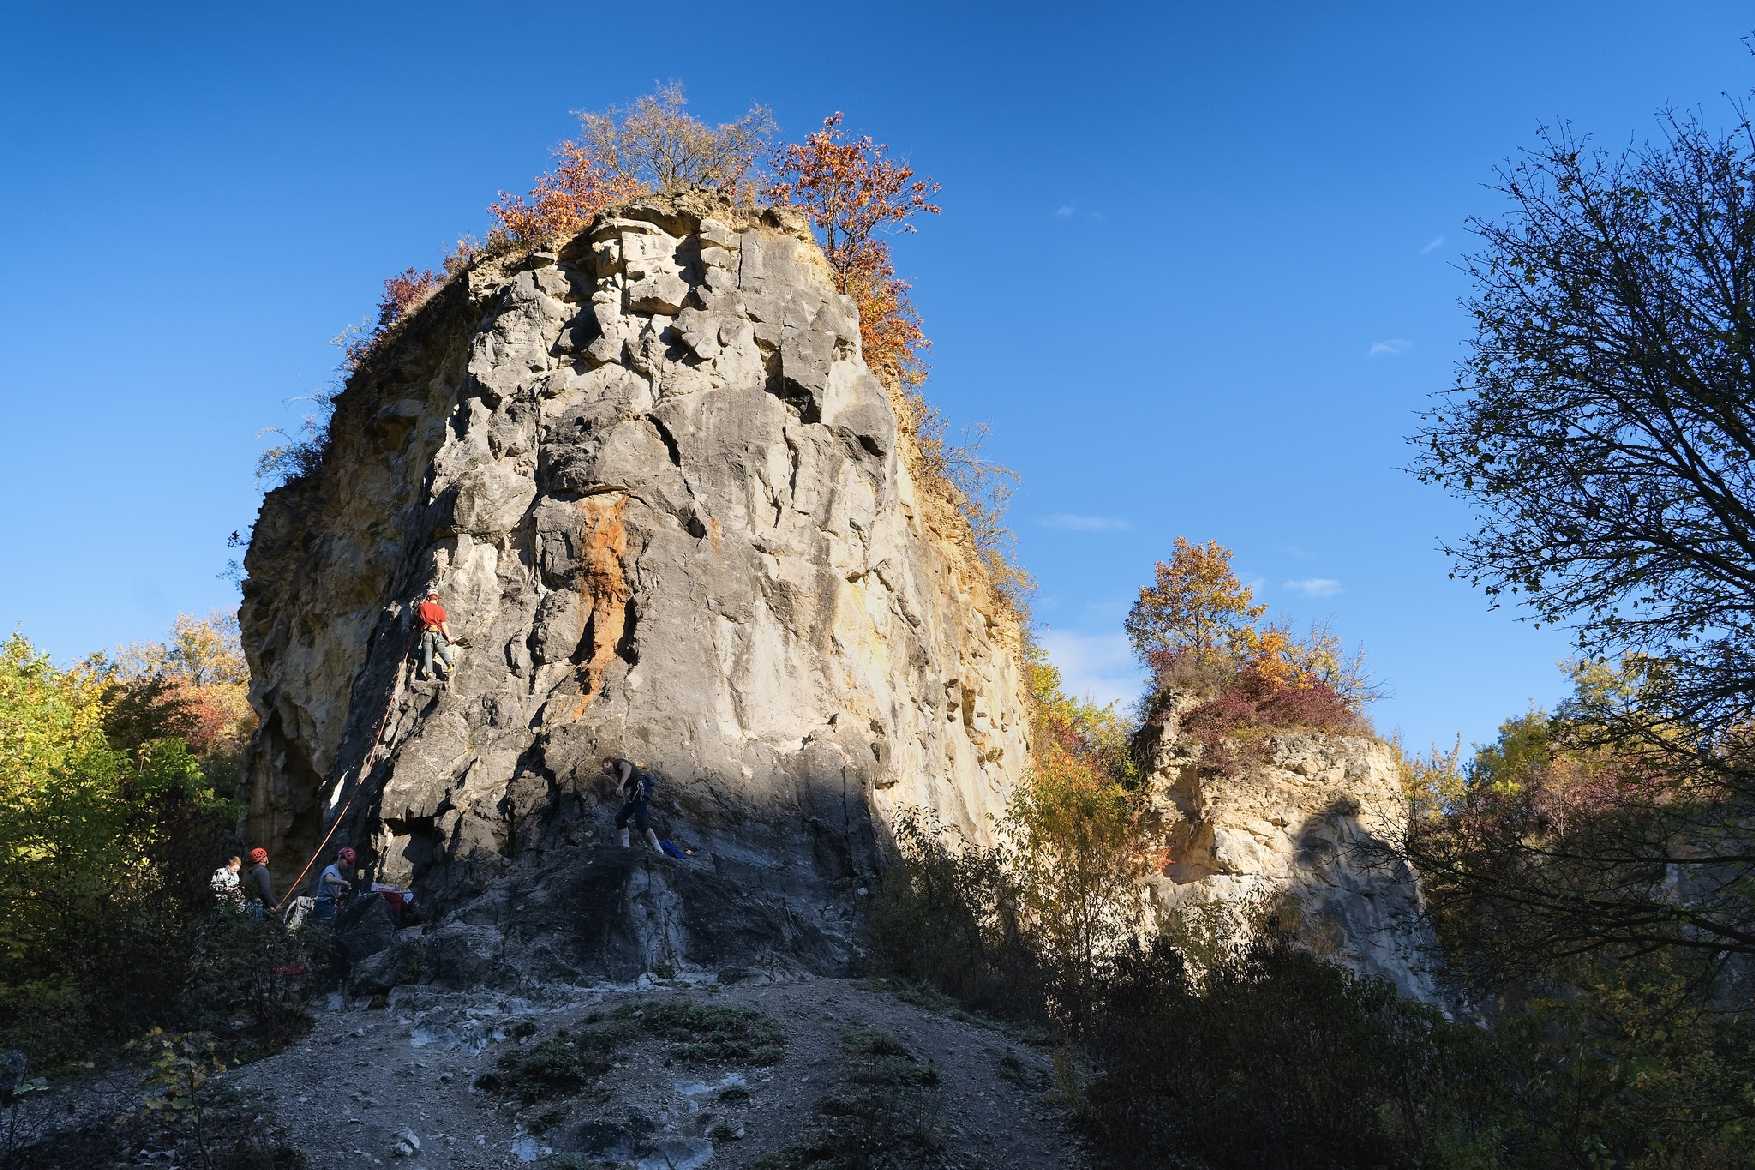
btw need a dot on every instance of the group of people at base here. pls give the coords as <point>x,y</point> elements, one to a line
<point>248,892</point>
<point>251,891</point>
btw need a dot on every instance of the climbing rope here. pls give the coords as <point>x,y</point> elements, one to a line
<point>360,775</point>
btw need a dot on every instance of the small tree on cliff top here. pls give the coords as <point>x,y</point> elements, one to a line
<point>653,145</point>
<point>561,203</point>
<point>852,192</point>
<point>1201,631</point>
<point>658,145</point>
<point>1195,613</point>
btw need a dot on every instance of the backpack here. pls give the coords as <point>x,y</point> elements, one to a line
<point>642,783</point>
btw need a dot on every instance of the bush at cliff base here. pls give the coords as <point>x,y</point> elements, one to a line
<point>107,839</point>
<point>1263,1055</point>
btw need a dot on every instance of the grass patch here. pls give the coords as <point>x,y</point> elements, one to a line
<point>707,1034</point>
<point>560,1066</point>
<point>879,1115</point>
<point>930,999</point>
<point>925,998</point>
<point>879,1060</point>
<point>1014,1071</point>
<point>573,1061</point>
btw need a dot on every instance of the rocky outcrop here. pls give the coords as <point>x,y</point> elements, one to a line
<point>671,518</point>
<point>1304,816</point>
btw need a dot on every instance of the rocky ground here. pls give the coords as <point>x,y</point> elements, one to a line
<point>662,1075</point>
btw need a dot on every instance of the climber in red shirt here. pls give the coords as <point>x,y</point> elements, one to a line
<point>431,617</point>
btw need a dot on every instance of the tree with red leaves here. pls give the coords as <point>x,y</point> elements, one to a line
<point>852,193</point>
<point>561,204</point>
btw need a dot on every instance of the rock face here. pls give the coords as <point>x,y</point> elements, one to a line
<point>1301,815</point>
<point>671,518</point>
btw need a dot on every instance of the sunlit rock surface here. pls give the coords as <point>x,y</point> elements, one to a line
<point>1304,814</point>
<point>671,518</point>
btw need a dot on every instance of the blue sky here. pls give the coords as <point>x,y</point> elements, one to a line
<point>1196,265</point>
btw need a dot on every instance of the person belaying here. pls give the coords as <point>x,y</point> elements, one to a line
<point>435,638</point>
<point>228,891</point>
<point>332,884</point>
<point>635,785</point>
<point>259,885</point>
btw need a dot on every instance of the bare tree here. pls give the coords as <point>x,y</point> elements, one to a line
<point>659,145</point>
<point>1603,426</point>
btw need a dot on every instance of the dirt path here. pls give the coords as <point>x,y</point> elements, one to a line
<point>956,1092</point>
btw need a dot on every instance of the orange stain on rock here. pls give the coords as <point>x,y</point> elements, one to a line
<point>603,590</point>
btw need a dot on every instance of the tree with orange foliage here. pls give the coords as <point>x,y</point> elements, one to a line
<point>405,292</point>
<point>852,192</point>
<point>194,686</point>
<point>561,204</point>
<point>1202,633</point>
<point>1195,613</point>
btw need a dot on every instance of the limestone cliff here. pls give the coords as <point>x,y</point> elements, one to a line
<point>671,518</point>
<point>1304,815</point>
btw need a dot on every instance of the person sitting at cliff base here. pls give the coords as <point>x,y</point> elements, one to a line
<point>433,626</point>
<point>635,785</point>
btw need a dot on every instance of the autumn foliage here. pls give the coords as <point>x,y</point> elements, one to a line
<point>562,202</point>
<point>852,192</point>
<point>1205,638</point>
<point>193,686</point>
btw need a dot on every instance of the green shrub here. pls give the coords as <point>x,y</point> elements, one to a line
<point>108,830</point>
<point>950,918</point>
<point>1276,1059</point>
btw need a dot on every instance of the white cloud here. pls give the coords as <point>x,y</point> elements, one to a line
<point>1313,586</point>
<point>1432,245</point>
<point>1098,667</point>
<point>1076,522</point>
<point>1064,211</point>
<point>1391,346</point>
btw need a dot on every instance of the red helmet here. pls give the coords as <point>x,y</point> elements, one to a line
<point>346,856</point>
<point>258,856</point>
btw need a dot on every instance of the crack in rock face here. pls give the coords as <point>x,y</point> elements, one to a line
<point>671,518</point>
